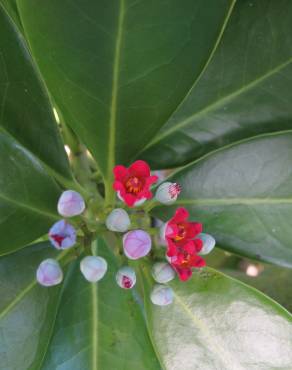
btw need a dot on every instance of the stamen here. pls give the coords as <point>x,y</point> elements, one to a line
<point>174,190</point>
<point>126,282</point>
<point>133,185</point>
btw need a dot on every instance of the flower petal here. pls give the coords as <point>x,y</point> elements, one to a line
<point>139,169</point>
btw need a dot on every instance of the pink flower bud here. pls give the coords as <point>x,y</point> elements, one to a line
<point>118,220</point>
<point>70,204</point>
<point>137,244</point>
<point>167,192</point>
<point>93,268</point>
<point>161,295</point>
<point>62,235</point>
<point>208,243</point>
<point>49,273</point>
<point>162,272</point>
<point>126,277</point>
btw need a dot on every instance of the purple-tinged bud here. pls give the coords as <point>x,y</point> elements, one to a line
<point>162,272</point>
<point>93,268</point>
<point>137,244</point>
<point>208,243</point>
<point>49,273</point>
<point>62,235</point>
<point>161,295</point>
<point>118,220</point>
<point>126,277</point>
<point>167,192</point>
<point>70,204</point>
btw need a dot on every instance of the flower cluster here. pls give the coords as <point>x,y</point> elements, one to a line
<point>185,242</point>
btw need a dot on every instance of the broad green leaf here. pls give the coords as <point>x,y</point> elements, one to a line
<point>270,279</point>
<point>25,109</point>
<point>27,310</point>
<point>117,69</point>
<point>243,196</point>
<point>99,326</point>
<point>216,322</point>
<point>28,197</point>
<point>246,89</point>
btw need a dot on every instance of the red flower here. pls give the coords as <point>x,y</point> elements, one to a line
<point>183,262</point>
<point>133,184</point>
<point>178,230</point>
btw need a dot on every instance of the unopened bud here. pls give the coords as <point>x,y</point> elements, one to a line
<point>167,192</point>
<point>70,204</point>
<point>62,235</point>
<point>162,272</point>
<point>93,268</point>
<point>208,243</point>
<point>161,295</point>
<point>137,244</point>
<point>49,273</point>
<point>118,220</point>
<point>126,277</point>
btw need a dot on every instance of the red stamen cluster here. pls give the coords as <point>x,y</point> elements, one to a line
<point>183,244</point>
<point>174,190</point>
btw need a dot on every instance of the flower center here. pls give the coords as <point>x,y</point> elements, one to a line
<point>133,185</point>
<point>58,238</point>
<point>181,232</point>
<point>186,261</point>
<point>126,282</point>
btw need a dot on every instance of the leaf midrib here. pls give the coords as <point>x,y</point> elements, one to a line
<point>234,201</point>
<point>217,104</point>
<point>28,207</point>
<point>214,346</point>
<point>114,97</point>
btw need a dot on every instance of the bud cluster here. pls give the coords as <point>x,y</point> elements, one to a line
<point>184,240</point>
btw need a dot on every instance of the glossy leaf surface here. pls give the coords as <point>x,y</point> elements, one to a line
<point>217,322</point>
<point>28,197</point>
<point>25,110</point>
<point>243,196</point>
<point>246,89</point>
<point>118,69</point>
<point>27,310</point>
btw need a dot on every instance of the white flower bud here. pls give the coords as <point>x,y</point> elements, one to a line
<point>208,243</point>
<point>167,192</point>
<point>93,268</point>
<point>118,220</point>
<point>162,272</point>
<point>49,273</point>
<point>161,295</point>
<point>126,277</point>
<point>136,244</point>
<point>70,204</point>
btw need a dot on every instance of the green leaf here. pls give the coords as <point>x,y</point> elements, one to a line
<point>28,197</point>
<point>271,280</point>
<point>243,196</point>
<point>245,91</point>
<point>118,69</point>
<point>217,322</point>
<point>99,326</point>
<point>25,109</point>
<point>27,310</point>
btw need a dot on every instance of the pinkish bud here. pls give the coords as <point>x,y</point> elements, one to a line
<point>49,273</point>
<point>208,243</point>
<point>70,204</point>
<point>162,272</point>
<point>126,277</point>
<point>62,235</point>
<point>137,244</point>
<point>161,295</point>
<point>93,268</point>
<point>118,220</point>
<point>167,192</point>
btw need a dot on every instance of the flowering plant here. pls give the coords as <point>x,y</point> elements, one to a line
<point>145,178</point>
